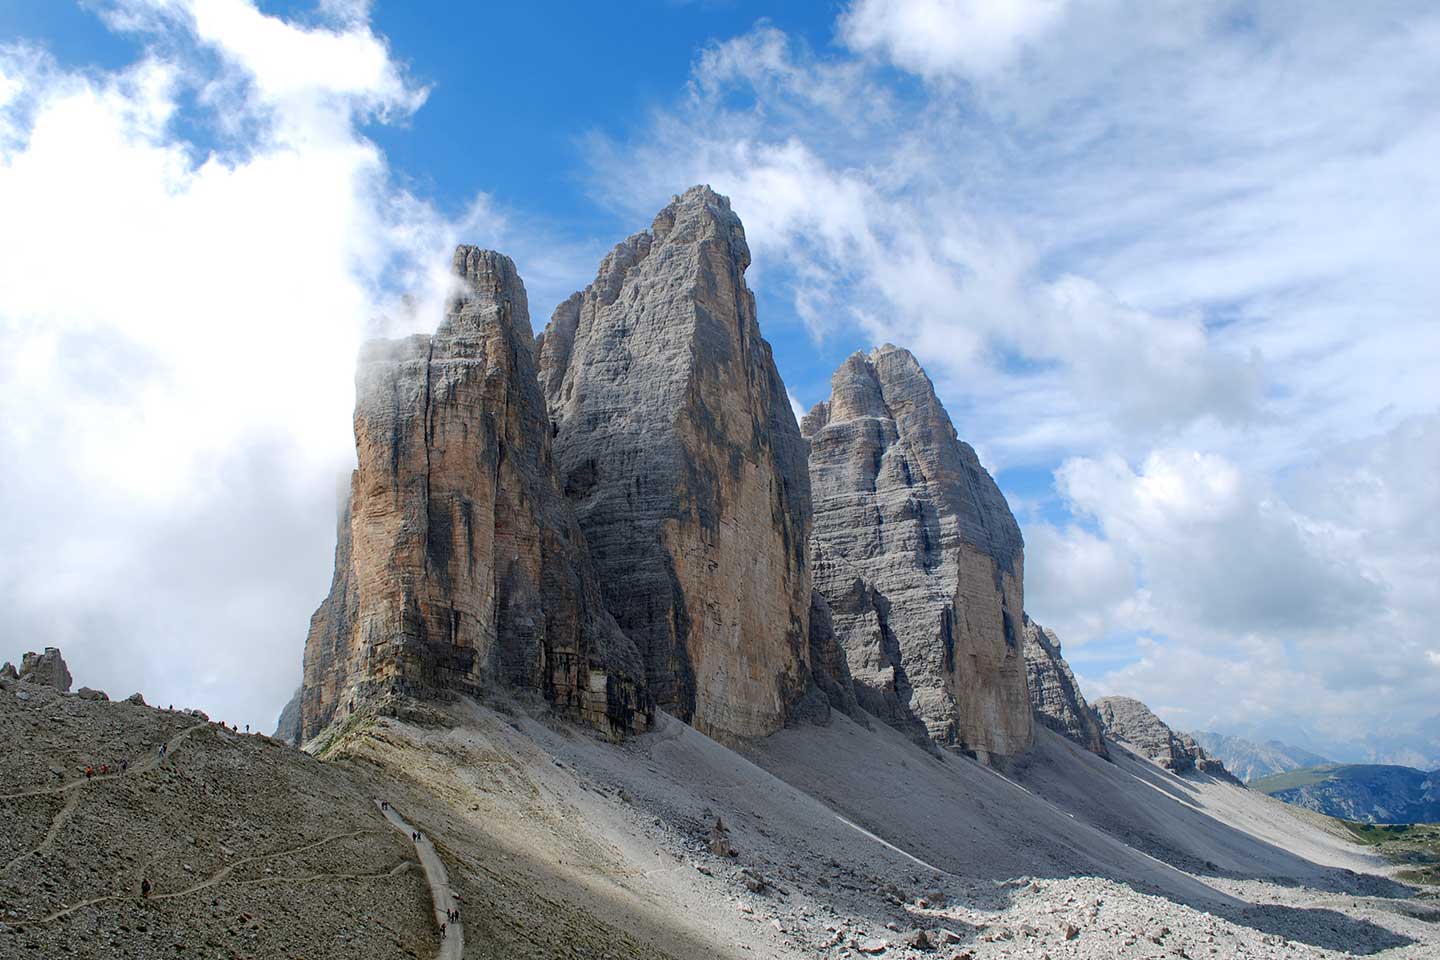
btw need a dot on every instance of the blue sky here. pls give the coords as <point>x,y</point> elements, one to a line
<point>1170,266</point>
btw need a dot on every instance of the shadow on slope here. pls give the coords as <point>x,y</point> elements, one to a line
<point>969,820</point>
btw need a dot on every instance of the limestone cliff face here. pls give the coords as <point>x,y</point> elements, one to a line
<point>677,446</point>
<point>1131,722</point>
<point>47,669</point>
<point>458,563</point>
<point>919,558</point>
<point>1054,694</point>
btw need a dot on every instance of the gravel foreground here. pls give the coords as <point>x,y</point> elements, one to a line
<point>558,844</point>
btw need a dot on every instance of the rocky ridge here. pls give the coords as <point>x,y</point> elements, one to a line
<point>459,565</point>
<point>1054,694</point>
<point>1248,759</point>
<point>919,558</point>
<point>1131,722</point>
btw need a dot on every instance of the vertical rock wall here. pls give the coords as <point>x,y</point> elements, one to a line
<point>458,563</point>
<point>919,558</point>
<point>677,446</point>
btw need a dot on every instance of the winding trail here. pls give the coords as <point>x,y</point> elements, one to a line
<point>452,943</point>
<point>148,762</point>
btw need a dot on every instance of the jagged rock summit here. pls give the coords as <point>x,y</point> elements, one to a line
<point>1054,694</point>
<point>47,669</point>
<point>675,442</point>
<point>459,564</point>
<point>1132,723</point>
<point>919,558</point>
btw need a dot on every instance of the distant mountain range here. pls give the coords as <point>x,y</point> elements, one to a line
<point>1371,793</point>
<point>1249,760</point>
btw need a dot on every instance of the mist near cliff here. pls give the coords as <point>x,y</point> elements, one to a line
<point>1168,264</point>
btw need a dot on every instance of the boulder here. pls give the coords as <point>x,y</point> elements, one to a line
<point>919,558</point>
<point>136,699</point>
<point>88,693</point>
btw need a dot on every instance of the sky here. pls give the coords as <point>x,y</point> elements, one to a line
<point>1172,268</point>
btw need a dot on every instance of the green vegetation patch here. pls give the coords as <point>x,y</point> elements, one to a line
<point>1415,845</point>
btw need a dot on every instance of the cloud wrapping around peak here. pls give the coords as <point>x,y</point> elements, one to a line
<point>179,316</point>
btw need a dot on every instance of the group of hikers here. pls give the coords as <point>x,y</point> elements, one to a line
<point>452,914</point>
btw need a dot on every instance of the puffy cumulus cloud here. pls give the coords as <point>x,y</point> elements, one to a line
<point>1214,551</point>
<point>1116,234</point>
<point>179,314</point>
<point>946,38</point>
<point>1314,598</point>
<point>856,205</point>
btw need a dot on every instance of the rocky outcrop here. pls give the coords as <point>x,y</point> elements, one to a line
<point>1054,695</point>
<point>1131,722</point>
<point>676,444</point>
<point>287,726</point>
<point>919,558</point>
<point>45,669</point>
<point>459,566</point>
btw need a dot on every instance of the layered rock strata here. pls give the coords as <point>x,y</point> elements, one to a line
<point>676,444</point>
<point>1054,695</point>
<point>459,565</point>
<point>919,558</point>
<point>1131,722</point>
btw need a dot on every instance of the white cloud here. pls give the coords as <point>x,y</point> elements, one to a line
<point>177,334</point>
<point>938,38</point>
<point>1174,246</point>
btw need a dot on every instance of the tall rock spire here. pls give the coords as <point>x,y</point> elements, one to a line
<point>677,446</point>
<point>920,560</point>
<point>459,564</point>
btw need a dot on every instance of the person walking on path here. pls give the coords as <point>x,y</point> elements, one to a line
<point>145,888</point>
<point>442,930</point>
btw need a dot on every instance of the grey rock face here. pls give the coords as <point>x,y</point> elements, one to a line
<point>1131,722</point>
<point>47,669</point>
<point>919,558</point>
<point>8,672</point>
<point>1054,694</point>
<point>675,442</point>
<point>287,726</point>
<point>459,565</point>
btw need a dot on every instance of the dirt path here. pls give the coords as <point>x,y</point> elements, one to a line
<point>148,762</point>
<point>452,941</point>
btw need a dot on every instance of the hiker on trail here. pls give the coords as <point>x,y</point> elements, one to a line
<point>247,728</point>
<point>145,888</point>
<point>442,931</point>
<point>89,772</point>
<point>124,766</point>
<point>104,769</point>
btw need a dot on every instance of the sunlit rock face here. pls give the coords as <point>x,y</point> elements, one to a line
<point>1132,723</point>
<point>676,444</point>
<point>1054,694</point>
<point>919,558</point>
<point>459,565</point>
